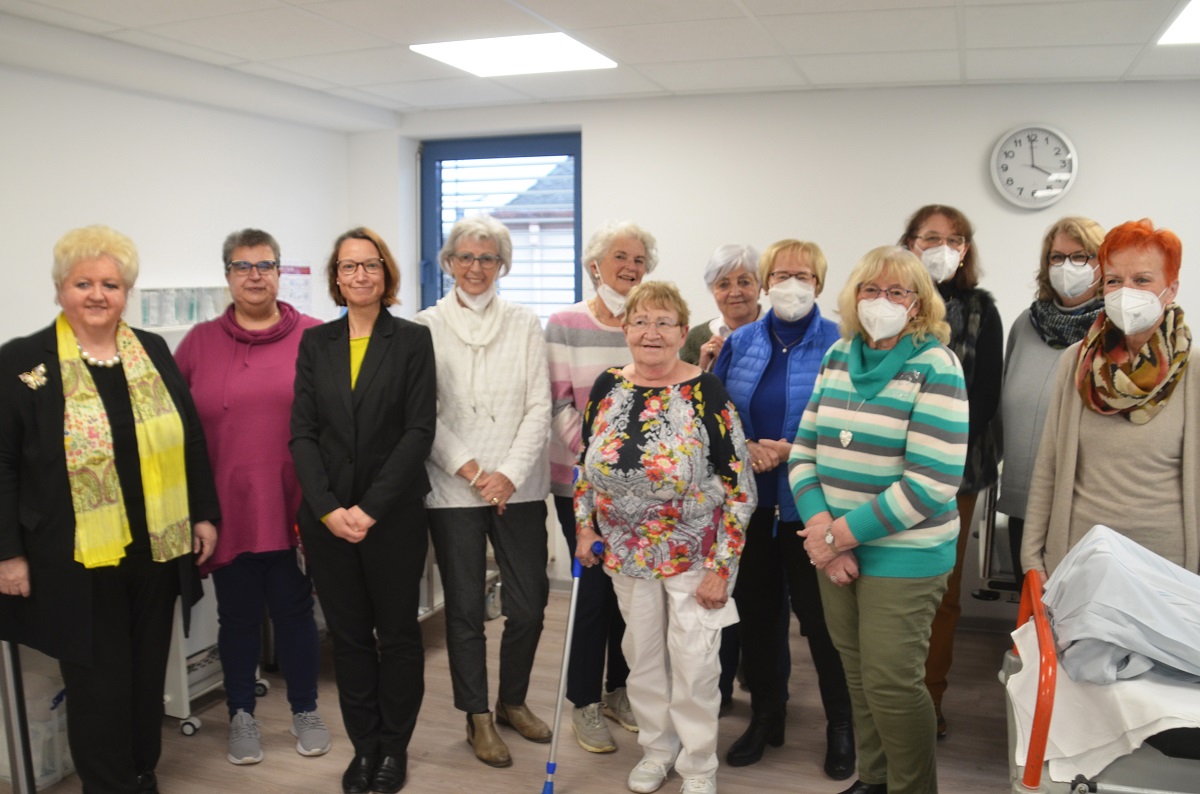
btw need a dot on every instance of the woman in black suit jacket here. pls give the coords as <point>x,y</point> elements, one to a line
<point>106,506</point>
<point>362,426</point>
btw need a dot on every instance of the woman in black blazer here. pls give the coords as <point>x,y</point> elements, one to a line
<point>107,505</point>
<point>362,426</point>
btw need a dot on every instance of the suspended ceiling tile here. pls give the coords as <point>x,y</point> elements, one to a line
<point>268,35</point>
<point>1050,63</point>
<point>727,75</point>
<point>903,30</point>
<point>394,63</point>
<point>427,21</point>
<point>877,69</point>
<point>683,41</point>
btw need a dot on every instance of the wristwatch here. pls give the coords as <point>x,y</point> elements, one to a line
<point>829,540</point>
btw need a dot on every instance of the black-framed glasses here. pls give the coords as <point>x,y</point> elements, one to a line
<point>487,261</point>
<point>780,276</point>
<point>1077,258</point>
<point>347,267</point>
<point>243,268</point>
<point>955,241</point>
<point>894,294</point>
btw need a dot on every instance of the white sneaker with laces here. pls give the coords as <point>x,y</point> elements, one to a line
<point>699,785</point>
<point>647,776</point>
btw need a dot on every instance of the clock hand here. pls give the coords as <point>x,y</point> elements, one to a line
<point>1043,170</point>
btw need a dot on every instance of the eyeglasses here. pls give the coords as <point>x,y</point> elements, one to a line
<point>348,267</point>
<point>662,324</point>
<point>243,268</point>
<point>780,276</point>
<point>487,261</point>
<point>1078,258</point>
<point>894,294</point>
<point>934,240</point>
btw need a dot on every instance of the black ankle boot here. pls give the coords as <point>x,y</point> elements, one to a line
<point>764,729</point>
<point>839,750</point>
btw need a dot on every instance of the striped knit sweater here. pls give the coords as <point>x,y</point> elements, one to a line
<point>896,479</point>
<point>579,348</point>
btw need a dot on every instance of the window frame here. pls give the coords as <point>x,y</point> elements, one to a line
<point>433,152</point>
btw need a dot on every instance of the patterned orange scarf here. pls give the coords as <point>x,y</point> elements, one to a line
<point>1111,380</point>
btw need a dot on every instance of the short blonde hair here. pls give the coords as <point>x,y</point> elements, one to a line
<point>906,268</point>
<point>658,294</point>
<point>802,250</point>
<point>91,242</point>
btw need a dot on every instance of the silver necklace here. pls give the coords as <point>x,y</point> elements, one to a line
<point>98,362</point>
<point>782,344</point>
<point>847,435</point>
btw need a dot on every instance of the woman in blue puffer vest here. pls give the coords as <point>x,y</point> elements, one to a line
<point>769,368</point>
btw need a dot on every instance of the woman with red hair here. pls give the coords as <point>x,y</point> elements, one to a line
<point>1121,445</point>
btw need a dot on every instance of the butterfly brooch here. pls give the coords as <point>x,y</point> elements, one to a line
<point>35,378</point>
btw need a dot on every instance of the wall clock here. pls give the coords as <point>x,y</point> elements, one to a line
<point>1034,165</point>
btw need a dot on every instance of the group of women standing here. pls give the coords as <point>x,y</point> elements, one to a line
<point>839,465</point>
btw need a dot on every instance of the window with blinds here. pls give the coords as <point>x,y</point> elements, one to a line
<point>531,185</point>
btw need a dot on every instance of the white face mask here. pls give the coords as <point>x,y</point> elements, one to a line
<point>941,262</point>
<point>613,300</point>
<point>476,303</point>
<point>881,318</point>
<point>1133,310</point>
<point>792,300</point>
<point>1071,280</point>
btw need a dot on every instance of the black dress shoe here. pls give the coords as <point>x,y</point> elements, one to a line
<point>147,783</point>
<point>860,787</point>
<point>358,776</point>
<point>839,750</point>
<point>390,774</point>
<point>764,729</point>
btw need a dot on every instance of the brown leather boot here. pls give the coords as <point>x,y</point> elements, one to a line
<point>489,747</point>
<point>521,719</point>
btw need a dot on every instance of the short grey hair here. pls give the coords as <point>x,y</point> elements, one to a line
<point>480,228</point>
<point>728,258</point>
<point>247,238</point>
<point>608,233</point>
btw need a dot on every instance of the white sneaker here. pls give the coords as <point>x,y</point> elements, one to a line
<point>647,776</point>
<point>699,785</point>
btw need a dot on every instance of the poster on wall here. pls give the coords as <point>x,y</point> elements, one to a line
<point>295,284</point>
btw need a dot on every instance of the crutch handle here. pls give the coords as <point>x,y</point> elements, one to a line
<point>577,566</point>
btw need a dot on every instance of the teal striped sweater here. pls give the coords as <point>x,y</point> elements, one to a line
<point>895,481</point>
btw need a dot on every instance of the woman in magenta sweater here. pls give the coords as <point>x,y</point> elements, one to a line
<point>240,368</point>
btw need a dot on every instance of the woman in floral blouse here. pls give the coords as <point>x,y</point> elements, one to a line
<point>663,481</point>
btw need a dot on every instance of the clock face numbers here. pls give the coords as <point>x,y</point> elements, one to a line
<point>1034,166</point>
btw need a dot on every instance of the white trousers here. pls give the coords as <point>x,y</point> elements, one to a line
<point>671,645</point>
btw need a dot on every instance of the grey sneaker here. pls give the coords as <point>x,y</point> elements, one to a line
<point>312,738</point>
<point>245,743</point>
<point>616,706</point>
<point>591,731</point>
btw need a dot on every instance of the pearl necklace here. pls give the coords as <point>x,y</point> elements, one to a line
<point>98,362</point>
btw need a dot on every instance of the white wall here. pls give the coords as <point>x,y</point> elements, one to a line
<point>846,168</point>
<point>175,177</point>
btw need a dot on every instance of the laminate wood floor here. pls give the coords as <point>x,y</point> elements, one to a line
<point>971,760</point>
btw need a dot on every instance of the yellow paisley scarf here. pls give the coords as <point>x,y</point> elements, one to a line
<point>1112,381</point>
<point>101,526</point>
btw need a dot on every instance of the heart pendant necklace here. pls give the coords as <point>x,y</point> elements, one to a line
<point>847,435</point>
